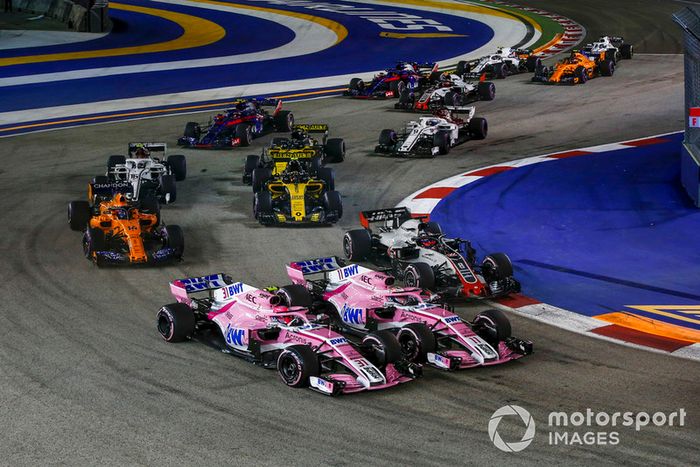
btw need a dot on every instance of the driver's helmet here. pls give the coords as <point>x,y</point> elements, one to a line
<point>141,152</point>
<point>294,166</point>
<point>242,105</point>
<point>432,122</point>
<point>380,75</point>
<point>426,241</point>
<point>299,135</point>
<point>408,67</point>
<point>218,118</point>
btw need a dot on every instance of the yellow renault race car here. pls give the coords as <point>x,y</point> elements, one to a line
<point>294,189</point>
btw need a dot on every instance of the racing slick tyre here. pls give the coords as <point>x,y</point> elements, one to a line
<point>416,341</point>
<point>532,63</point>
<point>175,239</point>
<point>284,121</point>
<point>406,100</point>
<point>328,176</point>
<point>114,161</point>
<point>626,51</point>
<point>452,98</point>
<point>397,87</point>
<point>168,191</point>
<point>262,204</point>
<point>357,244</point>
<point>251,163</point>
<point>93,240</point>
<point>607,67</point>
<point>434,76</point>
<point>175,322</point>
<point>260,176</point>
<point>432,227</point>
<point>492,326</point>
<point>419,275</point>
<point>332,202</point>
<point>382,348</point>
<point>478,128</point>
<point>78,215</point>
<point>244,133</point>
<point>192,130</point>
<point>335,150</point>
<point>387,138</point>
<point>581,75</point>
<point>500,71</point>
<point>178,166</point>
<point>295,295</point>
<point>496,267</point>
<point>296,364</point>
<point>150,205</point>
<point>315,165</point>
<point>278,141</point>
<point>441,140</point>
<point>462,67</point>
<point>357,84</point>
<point>486,90</point>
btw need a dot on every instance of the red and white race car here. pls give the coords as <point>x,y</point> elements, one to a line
<point>450,90</point>
<point>361,301</point>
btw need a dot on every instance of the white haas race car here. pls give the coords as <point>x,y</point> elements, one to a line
<point>432,135</point>
<point>144,175</point>
<point>614,48</point>
<point>418,253</point>
<point>451,90</point>
<point>504,62</point>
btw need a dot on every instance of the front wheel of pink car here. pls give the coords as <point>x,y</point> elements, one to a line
<point>493,326</point>
<point>416,341</point>
<point>296,364</point>
<point>382,348</point>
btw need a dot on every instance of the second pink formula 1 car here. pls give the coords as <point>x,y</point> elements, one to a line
<point>361,301</point>
<point>252,324</point>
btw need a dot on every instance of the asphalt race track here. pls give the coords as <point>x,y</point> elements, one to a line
<point>85,378</point>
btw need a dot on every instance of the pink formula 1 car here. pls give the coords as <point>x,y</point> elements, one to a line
<point>361,301</point>
<point>251,323</point>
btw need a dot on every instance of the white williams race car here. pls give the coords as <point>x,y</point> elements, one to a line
<point>451,90</point>
<point>147,175</point>
<point>418,253</point>
<point>435,134</point>
<point>504,62</point>
<point>611,47</point>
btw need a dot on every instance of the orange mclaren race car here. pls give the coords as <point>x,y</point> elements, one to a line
<point>117,231</point>
<point>576,69</point>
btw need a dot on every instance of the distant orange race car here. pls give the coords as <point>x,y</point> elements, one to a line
<point>116,231</point>
<point>575,69</point>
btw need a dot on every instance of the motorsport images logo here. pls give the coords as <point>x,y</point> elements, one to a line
<point>525,417</point>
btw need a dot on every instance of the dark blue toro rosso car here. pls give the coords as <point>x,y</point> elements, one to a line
<point>238,126</point>
<point>392,82</point>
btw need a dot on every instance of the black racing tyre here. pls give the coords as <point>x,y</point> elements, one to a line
<point>192,130</point>
<point>486,90</point>
<point>175,239</point>
<point>149,205</point>
<point>113,161</point>
<point>441,140</point>
<point>260,176</point>
<point>500,71</point>
<point>251,163</point>
<point>100,179</point>
<point>333,202</point>
<point>335,150</point>
<point>284,121</point>
<point>416,341</point>
<point>580,73</point>
<point>244,133</point>
<point>315,164</point>
<point>419,275</point>
<point>607,67</point>
<point>357,84</point>
<point>432,227</point>
<point>434,76</point>
<point>382,348</point>
<point>532,63</point>
<point>449,98</point>
<point>626,51</point>
<point>610,55</point>
<point>93,240</point>
<point>175,322</point>
<point>496,266</point>
<point>357,244</point>
<point>478,128</point>
<point>328,176</point>
<point>78,215</point>
<point>178,165</point>
<point>295,295</point>
<point>167,187</point>
<point>262,203</point>
<point>492,326</point>
<point>296,364</point>
<point>462,67</point>
<point>387,138</point>
<point>279,141</point>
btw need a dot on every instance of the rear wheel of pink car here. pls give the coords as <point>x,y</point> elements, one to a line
<point>492,326</point>
<point>416,341</point>
<point>175,322</point>
<point>295,295</point>
<point>382,348</point>
<point>296,364</point>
